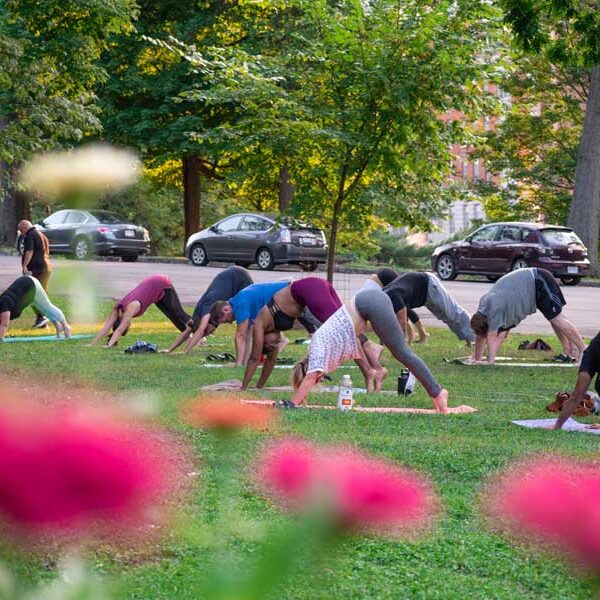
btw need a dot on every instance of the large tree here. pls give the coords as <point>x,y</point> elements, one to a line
<point>568,33</point>
<point>48,68</point>
<point>351,101</point>
<point>142,102</point>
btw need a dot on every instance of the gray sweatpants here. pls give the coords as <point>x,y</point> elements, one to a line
<point>443,307</point>
<point>375,306</point>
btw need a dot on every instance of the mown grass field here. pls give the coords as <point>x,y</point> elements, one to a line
<point>459,559</point>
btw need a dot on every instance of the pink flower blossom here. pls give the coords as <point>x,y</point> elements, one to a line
<point>65,469</point>
<point>554,502</point>
<point>360,492</point>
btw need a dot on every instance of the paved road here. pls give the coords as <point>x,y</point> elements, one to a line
<point>115,279</point>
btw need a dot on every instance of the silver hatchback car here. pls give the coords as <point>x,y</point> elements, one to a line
<point>248,238</point>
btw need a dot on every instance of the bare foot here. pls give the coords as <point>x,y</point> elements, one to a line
<point>423,339</point>
<point>441,402</point>
<point>380,375</point>
<point>370,379</point>
<point>67,329</point>
<point>373,352</point>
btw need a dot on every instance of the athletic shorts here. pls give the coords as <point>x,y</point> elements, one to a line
<point>549,298</point>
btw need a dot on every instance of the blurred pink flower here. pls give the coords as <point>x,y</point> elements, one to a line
<point>73,470</point>
<point>553,501</point>
<point>361,492</point>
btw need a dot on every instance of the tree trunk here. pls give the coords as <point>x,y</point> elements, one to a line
<point>15,205</point>
<point>191,194</point>
<point>584,216</point>
<point>337,209</point>
<point>286,189</point>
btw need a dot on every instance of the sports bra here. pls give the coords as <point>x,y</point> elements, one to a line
<point>281,321</point>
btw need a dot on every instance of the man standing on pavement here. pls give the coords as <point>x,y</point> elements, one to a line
<point>35,261</point>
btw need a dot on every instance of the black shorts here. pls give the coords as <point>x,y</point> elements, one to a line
<point>549,298</point>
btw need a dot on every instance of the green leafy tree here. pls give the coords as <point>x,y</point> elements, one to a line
<point>534,146</point>
<point>48,68</point>
<point>352,104</point>
<point>568,34</point>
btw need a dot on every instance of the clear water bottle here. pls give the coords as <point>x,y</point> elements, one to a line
<point>345,400</point>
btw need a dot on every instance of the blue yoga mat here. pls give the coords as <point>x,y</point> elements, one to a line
<point>45,338</point>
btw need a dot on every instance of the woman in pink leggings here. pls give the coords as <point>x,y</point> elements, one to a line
<point>320,298</point>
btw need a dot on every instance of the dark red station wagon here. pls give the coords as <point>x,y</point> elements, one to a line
<point>498,248</point>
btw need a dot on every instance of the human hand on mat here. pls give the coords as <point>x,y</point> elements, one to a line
<point>593,426</point>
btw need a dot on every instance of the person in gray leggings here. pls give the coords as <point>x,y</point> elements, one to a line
<point>336,341</point>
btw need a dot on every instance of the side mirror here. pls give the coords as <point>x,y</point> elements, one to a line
<point>213,229</point>
<point>43,223</point>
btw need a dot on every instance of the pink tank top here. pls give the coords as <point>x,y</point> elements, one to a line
<point>149,291</point>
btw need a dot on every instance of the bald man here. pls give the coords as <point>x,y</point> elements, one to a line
<point>35,261</point>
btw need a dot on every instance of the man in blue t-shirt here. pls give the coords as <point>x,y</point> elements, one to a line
<point>224,286</point>
<point>243,309</point>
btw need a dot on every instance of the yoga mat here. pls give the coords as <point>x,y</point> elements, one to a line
<point>570,425</point>
<point>225,364</point>
<point>236,384</point>
<point>44,338</point>
<point>507,362</point>
<point>463,409</point>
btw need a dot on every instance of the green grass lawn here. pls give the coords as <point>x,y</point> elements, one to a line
<point>459,559</point>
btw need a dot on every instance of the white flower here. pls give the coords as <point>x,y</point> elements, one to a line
<point>91,169</point>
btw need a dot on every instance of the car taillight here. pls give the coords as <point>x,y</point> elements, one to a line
<point>146,234</point>
<point>103,229</point>
<point>285,236</point>
<point>323,238</point>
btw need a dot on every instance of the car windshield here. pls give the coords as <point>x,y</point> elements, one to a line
<point>104,216</point>
<point>561,236</point>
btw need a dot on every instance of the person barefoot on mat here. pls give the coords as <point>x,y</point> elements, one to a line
<point>589,368</point>
<point>288,304</point>
<point>223,287</point>
<point>244,308</point>
<point>336,341</point>
<point>412,290</point>
<point>154,289</point>
<point>515,296</point>
<point>26,291</point>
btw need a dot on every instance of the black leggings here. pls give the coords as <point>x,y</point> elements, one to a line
<point>170,306</point>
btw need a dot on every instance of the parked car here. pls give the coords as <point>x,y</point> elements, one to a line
<point>87,232</point>
<point>498,248</point>
<point>247,238</point>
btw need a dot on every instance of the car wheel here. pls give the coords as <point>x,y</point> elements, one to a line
<point>519,263</point>
<point>446,268</point>
<point>82,249</point>
<point>198,255</point>
<point>308,266</point>
<point>264,259</point>
<point>493,278</point>
<point>130,258</point>
<point>570,280</point>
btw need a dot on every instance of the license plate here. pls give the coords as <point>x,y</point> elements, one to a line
<point>129,233</point>
<point>308,241</point>
<point>572,269</point>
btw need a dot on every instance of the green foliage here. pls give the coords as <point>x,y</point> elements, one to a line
<point>348,100</point>
<point>534,146</point>
<point>395,251</point>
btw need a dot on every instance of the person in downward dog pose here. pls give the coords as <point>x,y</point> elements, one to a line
<point>154,289</point>
<point>412,290</point>
<point>223,287</point>
<point>385,276</point>
<point>336,341</point>
<point>515,296</point>
<point>243,308</point>
<point>26,291</point>
<point>320,298</point>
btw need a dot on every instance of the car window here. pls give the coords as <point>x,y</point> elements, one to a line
<point>108,218</point>
<point>252,223</point>
<point>230,224</point>
<point>75,218</point>
<point>487,234</point>
<point>510,233</point>
<point>57,218</point>
<point>530,236</point>
<point>561,236</point>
